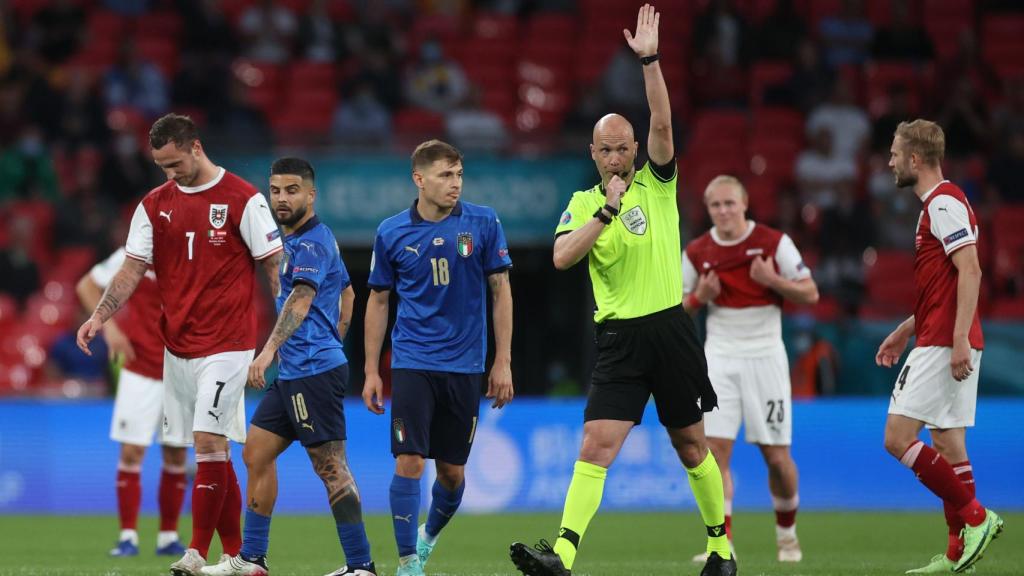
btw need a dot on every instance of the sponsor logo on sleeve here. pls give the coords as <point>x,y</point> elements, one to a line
<point>273,234</point>
<point>566,218</point>
<point>305,270</point>
<point>502,252</point>
<point>959,234</point>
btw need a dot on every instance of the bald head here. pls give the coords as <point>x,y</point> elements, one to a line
<point>613,126</point>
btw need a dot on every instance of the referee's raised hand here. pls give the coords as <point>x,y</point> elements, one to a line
<point>645,42</point>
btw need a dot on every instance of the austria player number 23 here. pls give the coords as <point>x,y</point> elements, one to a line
<point>776,411</point>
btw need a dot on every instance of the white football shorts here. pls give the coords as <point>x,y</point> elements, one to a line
<point>205,394</point>
<point>138,408</point>
<point>755,392</point>
<point>925,389</point>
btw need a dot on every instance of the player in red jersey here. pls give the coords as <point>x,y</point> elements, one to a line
<point>743,271</point>
<point>203,232</point>
<point>138,407</point>
<point>938,385</point>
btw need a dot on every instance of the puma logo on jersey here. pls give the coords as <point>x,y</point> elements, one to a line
<point>207,486</point>
<point>166,215</point>
<point>216,416</point>
<point>415,250</point>
<point>308,425</point>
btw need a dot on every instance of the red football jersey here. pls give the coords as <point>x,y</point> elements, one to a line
<point>746,317</point>
<point>139,319</point>
<point>203,242</point>
<point>946,224</point>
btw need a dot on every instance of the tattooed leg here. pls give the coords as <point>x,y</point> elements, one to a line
<point>332,468</point>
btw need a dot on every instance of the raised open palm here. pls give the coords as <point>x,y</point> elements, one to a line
<point>645,42</point>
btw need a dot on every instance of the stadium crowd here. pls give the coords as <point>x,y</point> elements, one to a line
<point>798,98</point>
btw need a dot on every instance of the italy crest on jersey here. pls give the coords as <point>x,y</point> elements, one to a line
<point>464,244</point>
<point>218,215</point>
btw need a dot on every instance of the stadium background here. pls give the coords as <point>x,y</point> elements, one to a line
<point>799,99</point>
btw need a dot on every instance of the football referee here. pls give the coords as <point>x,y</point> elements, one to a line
<point>628,225</point>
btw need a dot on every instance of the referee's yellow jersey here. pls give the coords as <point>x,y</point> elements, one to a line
<point>635,265</point>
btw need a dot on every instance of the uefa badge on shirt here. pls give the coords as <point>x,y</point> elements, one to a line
<point>464,244</point>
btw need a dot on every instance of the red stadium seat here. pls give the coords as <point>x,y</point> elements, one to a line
<point>496,27</point>
<point>778,124</point>
<point>763,196</point>
<point>1008,248</point>
<point>551,26</point>
<point>418,121</point>
<point>309,74</point>
<point>773,158</point>
<point>160,51</point>
<point>106,24</point>
<point>1008,309</point>
<point>890,284</point>
<point>764,75</point>
<point>881,77</point>
<point>71,264</point>
<point>159,24</point>
<point>8,310</point>
<point>945,35</point>
<point>719,129</point>
<point>962,10</point>
<point>263,81</point>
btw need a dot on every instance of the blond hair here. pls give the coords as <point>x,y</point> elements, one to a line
<point>726,179</point>
<point>923,138</point>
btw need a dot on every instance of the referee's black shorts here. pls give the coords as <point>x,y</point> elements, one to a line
<point>656,354</point>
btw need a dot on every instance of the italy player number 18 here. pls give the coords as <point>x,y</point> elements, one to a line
<point>440,268</point>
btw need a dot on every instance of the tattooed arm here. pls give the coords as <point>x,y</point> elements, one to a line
<point>293,312</point>
<point>120,289</point>
<point>499,384</point>
<point>271,265</point>
<point>348,299</point>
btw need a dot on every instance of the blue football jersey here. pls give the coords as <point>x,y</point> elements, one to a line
<point>312,257</point>
<point>439,271</point>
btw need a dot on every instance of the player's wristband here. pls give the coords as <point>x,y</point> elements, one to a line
<point>645,60</point>
<point>612,211</point>
<point>692,302</point>
<point>600,215</point>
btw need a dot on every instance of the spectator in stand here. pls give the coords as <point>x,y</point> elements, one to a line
<point>26,169</point>
<point>717,83</point>
<point>19,275</point>
<point>323,39</point>
<point>56,31</point>
<point>238,125</point>
<point>847,36</point>
<point>897,110</point>
<point>1008,119</point>
<point>435,82</point>
<point>362,119</point>
<point>968,62</point>
<point>207,30</point>
<point>472,127</point>
<point>11,111</point>
<point>964,118</point>
<point>618,85</point>
<point>847,121</point>
<point>201,83</point>
<point>1004,172</point>
<point>810,84</point>
<point>780,34</point>
<point>268,32</point>
<point>377,68</point>
<point>902,39</point>
<point>81,120</point>
<point>821,173</point>
<point>135,83</point>
<point>721,29</point>
<point>126,173</point>
<point>846,231</point>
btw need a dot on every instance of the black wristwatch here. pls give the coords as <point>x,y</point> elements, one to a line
<point>600,215</point>
<point>645,60</point>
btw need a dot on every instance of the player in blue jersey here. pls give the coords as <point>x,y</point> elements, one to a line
<point>305,402</point>
<point>439,256</point>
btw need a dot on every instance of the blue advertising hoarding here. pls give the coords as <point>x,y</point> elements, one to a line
<point>55,458</point>
<point>356,193</point>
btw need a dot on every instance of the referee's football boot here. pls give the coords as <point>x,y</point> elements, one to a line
<point>939,564</point>
<point>977,538</point>
<point>238,566</point>
<point>353,571</point>
<point>718,566</point>
<point>540,560</point>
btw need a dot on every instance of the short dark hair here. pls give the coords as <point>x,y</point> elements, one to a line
<point>175,128</point>
<point>294,166</point>
<point>433,150</point>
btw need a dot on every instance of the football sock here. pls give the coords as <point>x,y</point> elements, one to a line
<point>955,546</point>
<point>208,492</point>
<point>172,494</point>
<point>937,475</point>
<point>405,509</point>
<point>355,544</point>
<point>229,524</point>
<point>785,510</point>
<point>706,484</point>
<point>728,518</point>
<point>443,505</point>
<point>581,503</point>
<point>129,496</point>
<point>257,535</point>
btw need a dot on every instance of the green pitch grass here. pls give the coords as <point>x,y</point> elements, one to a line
<point>838,544</point>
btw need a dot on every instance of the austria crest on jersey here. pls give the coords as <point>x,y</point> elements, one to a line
<point>464,244</point>
<point>218,215</point>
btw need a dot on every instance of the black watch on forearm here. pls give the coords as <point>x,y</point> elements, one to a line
<point>600,215</point>
<point>645,60</point>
